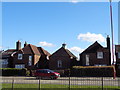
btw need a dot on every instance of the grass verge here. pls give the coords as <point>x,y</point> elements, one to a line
<point>7,86</point>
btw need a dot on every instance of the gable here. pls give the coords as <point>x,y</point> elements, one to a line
<point>27,50</point>
<point>34,49</point>
<point>43,52</point>
<point>62,52</point>
<point>93,48</point>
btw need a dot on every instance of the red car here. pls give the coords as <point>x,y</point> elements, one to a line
<point>46,73</point>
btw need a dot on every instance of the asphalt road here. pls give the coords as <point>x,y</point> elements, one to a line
<point>107,81</point>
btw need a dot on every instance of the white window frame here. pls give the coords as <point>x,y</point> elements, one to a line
<point>59,63</point>
<point>87,59</point>
<point>30,61</point>
<point>118,55</point>
<point>99,55</point>
<point>4,61</point>
<point>20,56</point>
<point>20,66</point>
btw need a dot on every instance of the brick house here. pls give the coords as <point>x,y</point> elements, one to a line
<point>7,58</point>
<point>96,55</point>
<point>117,54</point>
<point>30,57</point>
<point>62,59</point>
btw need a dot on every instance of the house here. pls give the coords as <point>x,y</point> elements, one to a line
<point>44,59</point>
<point>62,59</point>
<point>96,55</point>
<point>117,54</point>
<point>30,57</point>
<point>7,58</point>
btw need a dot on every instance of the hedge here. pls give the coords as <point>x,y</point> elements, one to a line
<point>93,71</point>
<point>14,72</point>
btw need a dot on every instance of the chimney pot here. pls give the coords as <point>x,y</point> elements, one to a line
<point>63,45</point>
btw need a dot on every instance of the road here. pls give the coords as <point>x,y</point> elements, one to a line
<point>107,81</point>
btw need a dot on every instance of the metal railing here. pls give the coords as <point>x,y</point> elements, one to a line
<point>67,83</point>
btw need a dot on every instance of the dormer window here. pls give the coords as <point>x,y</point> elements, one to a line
<point>118,55</point>
<point>100,55</point>
<point>19,56</point>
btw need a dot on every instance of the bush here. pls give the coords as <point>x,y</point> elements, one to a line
<point>13,72</point>
<point>93,71</point>
<point>27,73</point>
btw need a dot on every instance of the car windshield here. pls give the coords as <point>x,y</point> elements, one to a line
<point>50,71</point>
<point>45,70</point>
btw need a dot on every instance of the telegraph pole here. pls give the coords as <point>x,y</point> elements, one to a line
<point>111,21</point>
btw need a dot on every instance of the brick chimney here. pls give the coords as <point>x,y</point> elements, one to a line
<point>63,45</point>
<point>108,42</point>
<point>25,44</point>
<point>18,45</point>
<point>108,47</point>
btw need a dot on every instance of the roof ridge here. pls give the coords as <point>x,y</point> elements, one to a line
<point>44,51</point>
<point>91,46</point>
<point>70,53</point>
<point>32,49</point>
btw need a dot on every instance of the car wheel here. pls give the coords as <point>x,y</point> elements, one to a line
<point>52,77</point>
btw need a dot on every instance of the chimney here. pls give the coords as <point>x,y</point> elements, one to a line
<point>108,42</point>
<point>63,45</point>
<point>18,45</point>
<point>25,44</point>
<point>108,47</point>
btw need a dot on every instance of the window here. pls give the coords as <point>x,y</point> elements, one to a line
<point>119,55</point>
<point>19,66</point>
<point>30,61</point>
<point>59,63</point>
<point>87,59</point>
<point>19,56</point>
<point>5,61</point>
<point>100,55</point>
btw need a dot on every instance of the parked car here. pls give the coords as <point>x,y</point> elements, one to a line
<point>46,73</point>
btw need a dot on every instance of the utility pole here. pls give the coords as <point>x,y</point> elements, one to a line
<point>111,21</point>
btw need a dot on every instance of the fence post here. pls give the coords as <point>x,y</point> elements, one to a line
<point>69,80</point>
<point>102,83</point>
<point>118,82</point>
<point>39,84</point>
<point>12,83</point>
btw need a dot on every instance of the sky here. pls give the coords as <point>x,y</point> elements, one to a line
<point>50,24</point>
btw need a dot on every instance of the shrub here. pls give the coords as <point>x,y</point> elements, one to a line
<point>93,71</point>
<point>13,71</point>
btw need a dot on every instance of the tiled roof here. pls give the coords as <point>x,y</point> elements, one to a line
<point>8,52</point>
<point>70,54</point>
<point>43,52</point>
<point>34,49</point>
<point>66,50</point>
<point>29,49</point>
